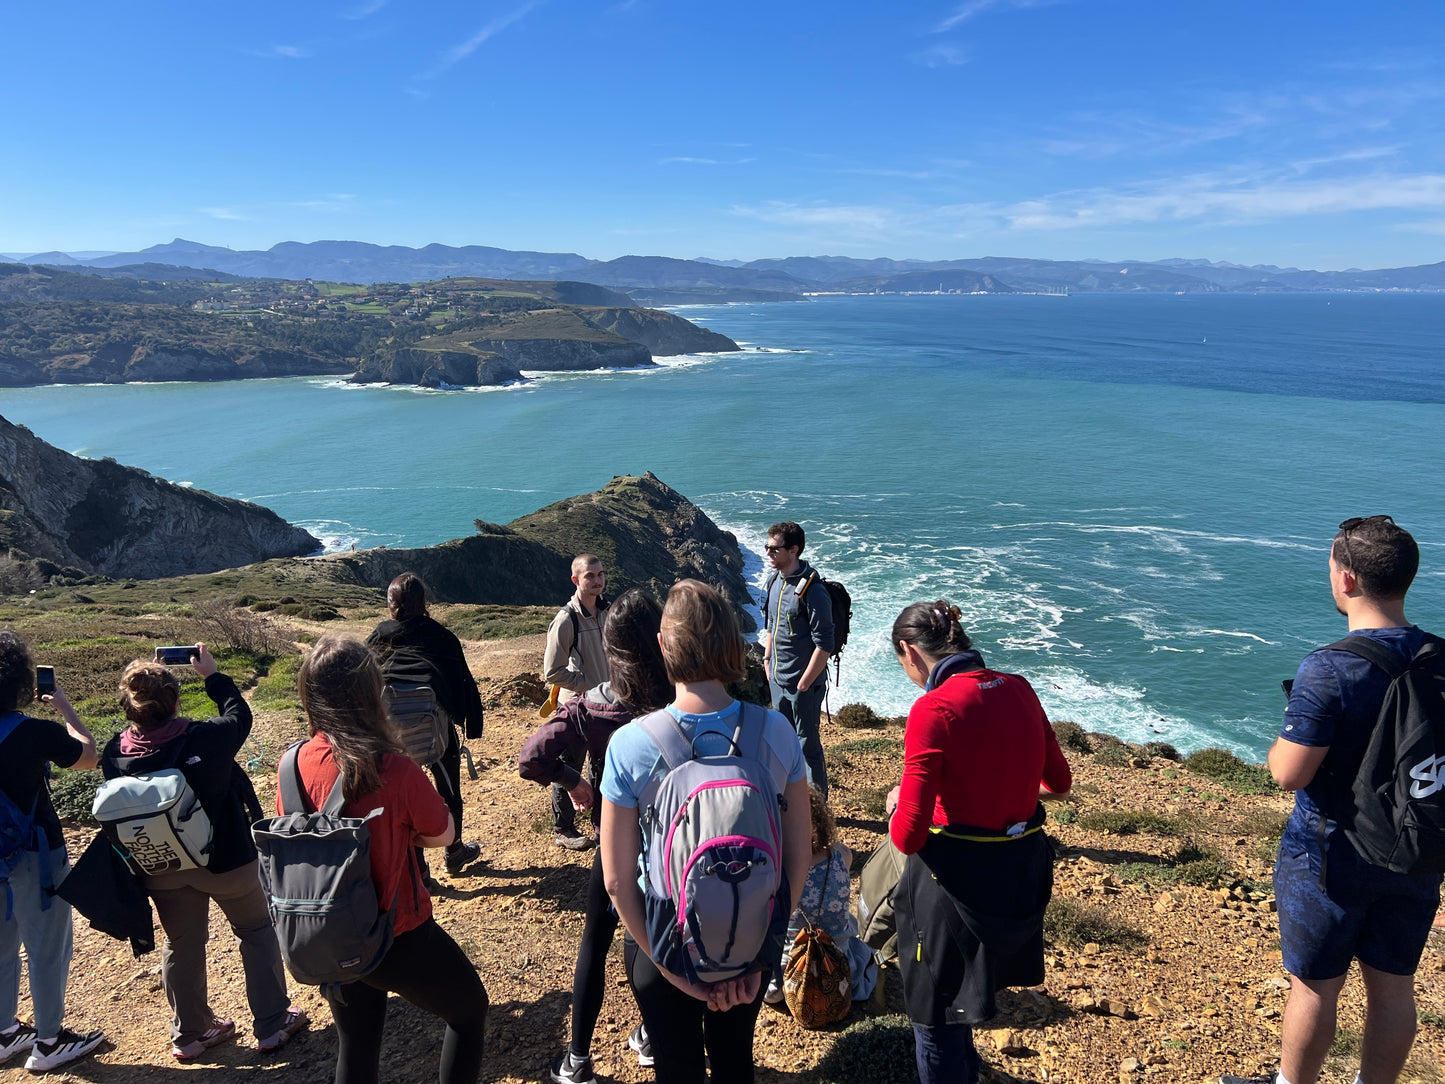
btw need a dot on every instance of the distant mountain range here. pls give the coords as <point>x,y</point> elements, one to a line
<point>657,277</point>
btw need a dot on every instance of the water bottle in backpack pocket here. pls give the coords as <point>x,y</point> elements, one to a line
<point>716,894</point>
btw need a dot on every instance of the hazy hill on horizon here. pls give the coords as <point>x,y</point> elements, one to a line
<point>706,278</point>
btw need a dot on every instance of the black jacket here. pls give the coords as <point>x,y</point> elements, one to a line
<point>103,889</point>
<point>422,650</point>
<point>206,755</point>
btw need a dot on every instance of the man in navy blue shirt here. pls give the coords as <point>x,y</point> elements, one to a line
<point>1334,907</point>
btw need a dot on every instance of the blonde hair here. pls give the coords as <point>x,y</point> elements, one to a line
<point>340,688</point>
<point>149,693</point>
<point>701,640</point>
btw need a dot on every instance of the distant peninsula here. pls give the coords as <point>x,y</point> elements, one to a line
<point>64,326</point>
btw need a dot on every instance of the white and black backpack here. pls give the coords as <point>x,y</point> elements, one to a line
<point>153,818</point>
<point>1399,790</point>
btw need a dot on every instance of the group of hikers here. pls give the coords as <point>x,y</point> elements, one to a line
<point>716,850</point>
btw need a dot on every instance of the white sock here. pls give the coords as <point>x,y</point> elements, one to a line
<point>1279,1078</point>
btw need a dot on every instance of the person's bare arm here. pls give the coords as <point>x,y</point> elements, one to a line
<point>1294,766</point>
<point>91,755</point>
<point>443,840</point>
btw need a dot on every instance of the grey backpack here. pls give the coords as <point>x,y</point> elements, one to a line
<point>717,899</point>
<point>315,869</point>
<point>421,722</point>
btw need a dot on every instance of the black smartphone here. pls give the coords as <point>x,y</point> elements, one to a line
<point>175,656</point>
<point>44,680</point>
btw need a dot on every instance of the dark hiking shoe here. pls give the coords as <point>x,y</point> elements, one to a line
<point>639,1042</point>
<point>64,1048</point>
<point>461,855</point>
<point>296,1021</point>
<point>1262,1078</point>
<point>569,1069</point>
<point>218,1032</point>
<point>572,839</point>
<point>17,1042</point>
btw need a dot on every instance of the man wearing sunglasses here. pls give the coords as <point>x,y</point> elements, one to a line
<point>797,642</point>
<point>1334,906</point>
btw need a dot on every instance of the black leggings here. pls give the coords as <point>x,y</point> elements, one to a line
<point>679,1027</point>
<point>430,970</point>
<point>589,981</point>
<point>447,774</point>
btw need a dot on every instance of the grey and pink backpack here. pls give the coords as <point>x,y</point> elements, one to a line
<point>716,895</point>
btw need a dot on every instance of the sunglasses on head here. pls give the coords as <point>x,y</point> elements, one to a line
<point>1354,523</point>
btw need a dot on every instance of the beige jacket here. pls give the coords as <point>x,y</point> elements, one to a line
<point>577,664</point>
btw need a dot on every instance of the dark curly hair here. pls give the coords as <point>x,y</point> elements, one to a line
<point>932,627</point>
<point>17,672</point>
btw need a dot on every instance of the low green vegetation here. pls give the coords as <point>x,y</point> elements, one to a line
<point>875,746</point>
<point>496,622</point>
<point>1129,822</point>
<point>1192,864</point>
<point>1228,770</point>
<point>1072,736</point>
<point>1074,925</point>
<point>873,800</point>
<point>858,717</point>
<point>878,1050</point>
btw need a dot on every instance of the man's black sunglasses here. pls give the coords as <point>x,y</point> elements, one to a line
<point>1354,523</point>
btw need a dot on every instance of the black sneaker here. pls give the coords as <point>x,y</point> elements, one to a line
<point>639,1042</point>
<point>1262,1078</point>
<point>572,839</point>
<point>461,855</point>
<point>64,1048</point>
<point>569,1069</point>
<point>17,1042</point>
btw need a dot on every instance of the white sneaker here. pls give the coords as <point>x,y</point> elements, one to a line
<point>17,1042</point>
<point>65,1047</point>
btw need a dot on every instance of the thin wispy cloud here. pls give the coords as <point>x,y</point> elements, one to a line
<point>457,53</point>
<point>281,52</point>
<point>859,218</point>
<point>366,10</point>
<point>687,160</point>
<point>225,214</point>
<point>974,8</point>
<point>940,56</point>
<point>339,201</point>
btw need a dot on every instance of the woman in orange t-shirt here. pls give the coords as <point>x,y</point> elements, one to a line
<point>353,739</point>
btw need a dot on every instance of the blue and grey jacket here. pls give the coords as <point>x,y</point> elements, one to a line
<point>798,614</point>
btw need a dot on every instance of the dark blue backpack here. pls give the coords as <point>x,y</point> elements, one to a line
<point>17,828</point>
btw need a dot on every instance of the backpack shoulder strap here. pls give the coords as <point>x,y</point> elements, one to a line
<point>1373,652</point>
<point>667,735</point>
<point>750,740</point>
<point>288,780</point>
<point>9,722</point>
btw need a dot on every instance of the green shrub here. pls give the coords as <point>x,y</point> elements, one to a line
<point>1224,767</point>
<point>858,717</point>
<point>879,1050</point>
<point>884,746</point>
<point>1065,813</point>
<point>1072,736</point>
<point>1191,864</point>
<point>873,801</point>
<point>1073,924</point>
<point>73,793</point>
<point>492,622</point>
<point>1161,749</point>
<point>1129,822</point>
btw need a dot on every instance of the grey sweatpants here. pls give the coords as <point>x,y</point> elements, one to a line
<point>183,903</point>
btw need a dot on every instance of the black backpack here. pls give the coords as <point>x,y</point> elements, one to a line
<point>1399,790</point>
<point>842,610</point>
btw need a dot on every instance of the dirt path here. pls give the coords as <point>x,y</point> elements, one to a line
<point>1200,996</point>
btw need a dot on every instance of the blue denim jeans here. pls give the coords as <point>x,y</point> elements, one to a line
<point>42,924</point>
<point>803,710</point>
<point>946,1054</point>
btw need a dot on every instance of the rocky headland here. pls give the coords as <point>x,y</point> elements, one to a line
<point>65,516</point>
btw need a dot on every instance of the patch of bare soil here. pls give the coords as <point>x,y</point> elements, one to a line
<point>1199,994</point>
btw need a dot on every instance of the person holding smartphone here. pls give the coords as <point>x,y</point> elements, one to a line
<point>33,861</point>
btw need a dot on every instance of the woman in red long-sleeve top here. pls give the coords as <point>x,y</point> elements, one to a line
<point>979,754</point>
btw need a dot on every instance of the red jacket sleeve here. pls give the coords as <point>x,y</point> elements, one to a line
<point>923,741</point>
<point>1057,775</point>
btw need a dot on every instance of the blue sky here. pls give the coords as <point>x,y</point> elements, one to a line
<point>1294,133</point>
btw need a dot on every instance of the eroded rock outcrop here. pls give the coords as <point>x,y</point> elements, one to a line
<point>101,517</point>
<point>435,368</point>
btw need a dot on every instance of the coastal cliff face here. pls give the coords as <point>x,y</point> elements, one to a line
<point>646,533</point>
<point>435,368</point>
<point>661,332</point>
<point>564,355</point>
<point>104,518</point>
<point>124,362</point>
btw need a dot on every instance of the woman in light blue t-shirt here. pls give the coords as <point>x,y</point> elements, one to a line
<point>690,1024</point>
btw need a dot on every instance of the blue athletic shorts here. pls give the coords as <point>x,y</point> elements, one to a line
<point>1361,911</point>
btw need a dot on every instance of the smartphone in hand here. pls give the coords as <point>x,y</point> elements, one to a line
<point>44,681</point>
<point>175,656</point>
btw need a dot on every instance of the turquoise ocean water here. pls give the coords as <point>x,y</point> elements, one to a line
<point>1131,497</point>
